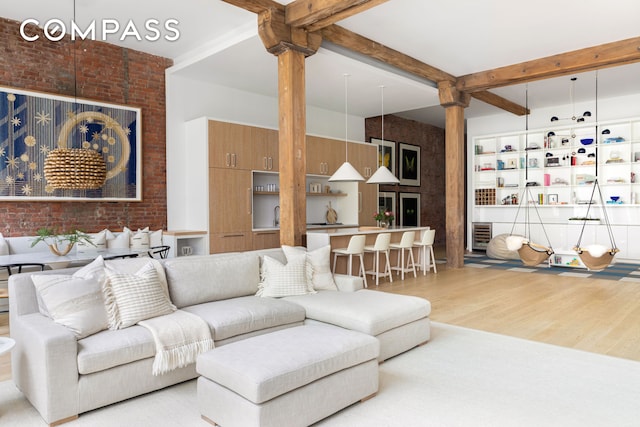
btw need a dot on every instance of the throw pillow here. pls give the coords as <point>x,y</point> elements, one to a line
<point>121,241</point>
<point>4,246</point>
<point>98,239</point>
<point>131,298</point>
<point>319,276</point>
<point>281,280</point>
<point>92,271</point>
<point>74,301</point>
<point>155,238</point>
<point>139,239</point>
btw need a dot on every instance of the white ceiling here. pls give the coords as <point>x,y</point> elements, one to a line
<point>218,44</point>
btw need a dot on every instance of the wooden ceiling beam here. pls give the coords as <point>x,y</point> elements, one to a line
<point>314,15</point>
<point>301,13</point>
<point>357,43</point>
<point>500,102</point>
<point>256,6</point>
<point>578,61</point>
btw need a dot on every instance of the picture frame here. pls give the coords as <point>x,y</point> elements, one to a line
<point>387,202</point>
<point>409,210</point>
<point>552,199</point>
<point>41,124</point>
<point>386,154</point>
<point>409,160</point>
<point>512,163</point>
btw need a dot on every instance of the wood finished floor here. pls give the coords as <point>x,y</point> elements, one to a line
<point>600,316</point>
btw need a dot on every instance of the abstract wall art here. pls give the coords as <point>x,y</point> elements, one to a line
<point>35,128</point>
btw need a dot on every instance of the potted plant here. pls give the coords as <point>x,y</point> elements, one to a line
<point>384,218</point>
<point>66,240</point>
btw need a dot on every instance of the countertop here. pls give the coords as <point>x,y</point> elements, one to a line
<point>312,227</point>
<point>349,231</point>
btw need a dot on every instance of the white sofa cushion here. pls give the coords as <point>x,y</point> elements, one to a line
<point>242,315</point>
<point>131,298</point>
<point>199,279</point>
<point>108,349</point>
<point>261,368</point>
<point>370,312</point>
<point>281,280</point>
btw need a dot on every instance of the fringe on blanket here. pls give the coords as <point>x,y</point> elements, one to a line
<point>179,356</point>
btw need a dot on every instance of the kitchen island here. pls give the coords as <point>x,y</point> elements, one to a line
<point>339,238</point>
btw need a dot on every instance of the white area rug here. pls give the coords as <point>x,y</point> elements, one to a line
<point>462,377</point>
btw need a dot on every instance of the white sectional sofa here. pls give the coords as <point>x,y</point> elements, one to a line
<point>63,375</point>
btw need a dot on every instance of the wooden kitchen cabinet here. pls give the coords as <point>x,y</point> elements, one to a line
<point>364,158</point>
<point>229,209</point>
<point>265,149</point>
<point>230,146</point>
<point>324,155</point>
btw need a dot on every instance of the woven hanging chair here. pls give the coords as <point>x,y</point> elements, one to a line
<point>532,254</point>
<point>75,169</point>
<point>596,262</point>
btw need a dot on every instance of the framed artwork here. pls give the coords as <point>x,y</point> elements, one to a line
<point>92,151</point>
<point>552,199</point>
<point>410,209</point>
<point>386,154</point>
<point>409,164</point>
<point>387,202</point>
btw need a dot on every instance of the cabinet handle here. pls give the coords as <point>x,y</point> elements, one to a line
<point>234,158</point>
<point>359,201</point>
<point>228,159</point>
<point>233,235</point>
<point>265,163</point>
<point>270,163</point>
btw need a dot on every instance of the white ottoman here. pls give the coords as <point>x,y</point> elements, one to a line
<point>291,377</point>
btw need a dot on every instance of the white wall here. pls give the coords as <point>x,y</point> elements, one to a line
<point>190,99</point>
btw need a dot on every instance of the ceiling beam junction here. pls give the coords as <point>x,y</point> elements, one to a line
<point>314,15</point>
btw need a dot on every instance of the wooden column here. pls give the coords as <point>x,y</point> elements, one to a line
<point>291,46</point>
<point>292,146</point>
<point>454,103</point>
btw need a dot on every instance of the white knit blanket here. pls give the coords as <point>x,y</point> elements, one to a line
<point>179,337</point>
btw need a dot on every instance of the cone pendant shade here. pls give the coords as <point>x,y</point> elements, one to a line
<point>345,173</point>
<point>383,176</point>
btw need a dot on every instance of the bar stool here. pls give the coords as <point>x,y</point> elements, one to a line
<point>356,247</point>
<point>406,244</point>
<point>381,245</point>
<point>425,255</point>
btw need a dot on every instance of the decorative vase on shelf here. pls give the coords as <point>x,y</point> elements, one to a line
<point>384,224</point>
<point>60,252</point>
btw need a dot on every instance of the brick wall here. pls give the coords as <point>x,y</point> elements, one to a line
<point>104,73</point>
<point>432,162</point>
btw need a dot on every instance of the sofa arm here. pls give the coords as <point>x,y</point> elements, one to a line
<point>347,283</point>
<point>44,365</point>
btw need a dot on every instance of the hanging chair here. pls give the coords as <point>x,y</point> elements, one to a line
<point>597,257</point>
<point>531,254</point>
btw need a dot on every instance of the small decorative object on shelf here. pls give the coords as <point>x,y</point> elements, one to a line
<point>52,238</point>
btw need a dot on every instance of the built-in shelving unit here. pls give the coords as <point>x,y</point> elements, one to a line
<point>559,164</point>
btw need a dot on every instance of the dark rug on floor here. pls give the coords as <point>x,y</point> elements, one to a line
<point>617,271</point>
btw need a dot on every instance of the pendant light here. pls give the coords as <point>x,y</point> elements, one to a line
<point>575,118</point>
<point>383,175</point>
<point>346,172</point>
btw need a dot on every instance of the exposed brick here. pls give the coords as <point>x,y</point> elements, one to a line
<point>105,73</point>
<point>431,141</point>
